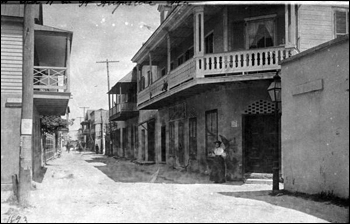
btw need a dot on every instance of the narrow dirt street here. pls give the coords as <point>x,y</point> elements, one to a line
<point>76,188</point>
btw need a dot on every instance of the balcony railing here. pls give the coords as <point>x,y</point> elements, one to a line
<point>53,79</point>
<point>181,74</point>
<point>123,107</point>
<point>243,61</point>
<point>236,62</point>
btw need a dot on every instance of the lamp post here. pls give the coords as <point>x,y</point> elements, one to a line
<point>274,91</point>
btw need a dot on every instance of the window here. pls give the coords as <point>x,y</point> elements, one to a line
<point>193,138</point>
<point>209,43</point>
<point>172,65</point>
<point>163,72</point>
<point>211,129</point>
<point>149,76</point>
<point>180,60</point>
<point>260,33</point>
<point>171,138</point>
<point>341,22</point>
<point>189,53</point>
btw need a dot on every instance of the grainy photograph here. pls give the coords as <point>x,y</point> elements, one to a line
<point>174,111</point>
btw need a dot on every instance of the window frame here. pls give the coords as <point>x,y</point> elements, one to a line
<point>339,9</point>
<point>272,17</point>
<point>205,42</point>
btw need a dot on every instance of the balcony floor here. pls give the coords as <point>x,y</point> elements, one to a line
<point>51,103</point>
<point>124,115</point>
<point>196,86</point>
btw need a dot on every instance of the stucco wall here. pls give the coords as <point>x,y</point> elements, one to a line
<point>10,132</point>
<point>315,124</point>
<point>230,100</point>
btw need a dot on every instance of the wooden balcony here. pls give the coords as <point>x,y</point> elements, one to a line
<point>123,111</point>
<point>241,62</point>
<point>51,90</point>
<point>192,76</point>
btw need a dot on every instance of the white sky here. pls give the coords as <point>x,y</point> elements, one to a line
<point>99,34</point>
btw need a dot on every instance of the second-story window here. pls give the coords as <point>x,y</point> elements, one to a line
<point>163,72</point>
<point>180,60</point>
<point>172,65</point>
<point>209,43</point>
<point>260,33</point>
<point>189,53</point>
<point>341,22</point>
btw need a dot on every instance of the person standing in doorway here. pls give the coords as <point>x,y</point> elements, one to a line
<point>97,149</point>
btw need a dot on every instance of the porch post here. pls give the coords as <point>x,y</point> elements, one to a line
<point>293,25</point>
<point>168,53</point>
<point>225,29</point>
<point>150,68</point>
<point>286,25</point>
<point>199,39</point>
<point>68,65</point>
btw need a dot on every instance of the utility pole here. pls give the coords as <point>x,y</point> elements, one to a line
<point>84,110</point>
<point>25,160</point>
<point>109,105</point>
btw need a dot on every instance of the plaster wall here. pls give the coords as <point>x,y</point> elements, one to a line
<point>315,122</point>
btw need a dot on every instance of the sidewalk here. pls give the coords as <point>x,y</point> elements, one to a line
<point>75,190</point>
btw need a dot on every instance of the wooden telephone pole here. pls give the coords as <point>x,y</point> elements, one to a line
<point>109,105</point>
<point>25,160</point>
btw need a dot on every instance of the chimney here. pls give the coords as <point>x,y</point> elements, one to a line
<point>164,10</point>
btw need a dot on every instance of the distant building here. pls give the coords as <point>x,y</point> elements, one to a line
<point>315,121</point>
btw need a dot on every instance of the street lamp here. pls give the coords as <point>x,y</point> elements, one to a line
<point>274,91</point>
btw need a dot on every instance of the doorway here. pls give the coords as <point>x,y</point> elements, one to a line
<point>181,143</point>
<point>259,142</point>
<point>163,143</point>
<point>151,140</point>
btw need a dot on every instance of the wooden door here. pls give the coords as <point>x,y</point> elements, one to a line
<point>181,144</point>
<point>259,143</point>
<point>163,143</point>
<point>151,140</point>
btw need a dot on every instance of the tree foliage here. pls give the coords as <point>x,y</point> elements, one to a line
<point>51,124</point>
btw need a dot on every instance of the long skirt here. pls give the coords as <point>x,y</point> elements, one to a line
<point>217,169</point>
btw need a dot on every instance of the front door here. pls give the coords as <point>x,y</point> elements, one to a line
<point>151,140</point>
<point>259,142</point>
<point>181,143</point>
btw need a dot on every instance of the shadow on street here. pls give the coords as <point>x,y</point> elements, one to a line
<point>121,170</point>
<point>292,202</point>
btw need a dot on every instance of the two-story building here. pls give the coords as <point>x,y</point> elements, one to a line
<point>51,49</point>
<point>99,120</point>
<point>211,68</point>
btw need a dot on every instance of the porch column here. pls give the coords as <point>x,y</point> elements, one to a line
<point>68,65</point>
<point>121,99</point>
<point>138,77</point>
<point>225,29</point>
<point>293,26</point>
<point>150,68</point>
<point>199,39</point>
<point>168,53</point>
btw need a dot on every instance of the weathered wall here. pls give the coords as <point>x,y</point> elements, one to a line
<point>315,25</point>
<point>231,100</point>
<point>10,132</point>
<point>315,122</point>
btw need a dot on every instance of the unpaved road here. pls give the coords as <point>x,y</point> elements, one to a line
<point>75,190</point>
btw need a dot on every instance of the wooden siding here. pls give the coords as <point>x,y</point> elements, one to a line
<point>11,57</point>
<point>315,25</point>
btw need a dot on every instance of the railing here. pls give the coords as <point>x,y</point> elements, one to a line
<point>127,106</point>
<point>181,74</point>
<point>50,149</point>
<point>243,61</point>
<point>53,79</point>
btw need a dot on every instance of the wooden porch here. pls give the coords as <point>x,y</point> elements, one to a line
<point>123,111</point>
<point>214,68</point>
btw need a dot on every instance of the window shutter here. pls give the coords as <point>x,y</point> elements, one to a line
<point>340,22</point>
<point>238,35</point>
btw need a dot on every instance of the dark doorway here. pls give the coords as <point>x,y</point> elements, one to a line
<point>163,143</point>
<point>143,144</point>
<point>125,142</point>
<point>181,144</point>
<point>193,137</point>
<point>151,140</point>
<point>259,142</point>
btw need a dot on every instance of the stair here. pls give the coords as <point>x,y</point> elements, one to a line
<point>258,178</point>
